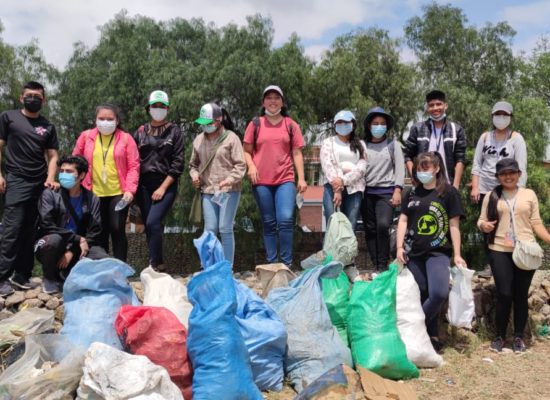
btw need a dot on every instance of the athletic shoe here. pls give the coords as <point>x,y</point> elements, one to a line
<point>5,288</point>
<point>21,283</point>
<point>436,343</point>
<point>497,345</point>
<point>50,287</point>
<point>519,346</point>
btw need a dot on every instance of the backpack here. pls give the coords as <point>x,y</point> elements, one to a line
<point>257,124</point>
<point>340,241</point>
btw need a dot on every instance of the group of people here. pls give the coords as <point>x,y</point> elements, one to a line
<point>85,210</point>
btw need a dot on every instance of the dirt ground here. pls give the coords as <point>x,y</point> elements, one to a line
<point>475,373</point>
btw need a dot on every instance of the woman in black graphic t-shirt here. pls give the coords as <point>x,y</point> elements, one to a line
<point>428,234</point>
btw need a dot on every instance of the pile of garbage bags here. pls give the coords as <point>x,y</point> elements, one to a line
<point>218,339</point>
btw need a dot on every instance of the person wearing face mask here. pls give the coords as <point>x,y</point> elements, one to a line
<point>69,225</point>
<point>439,134</point>
<point>428,233</point>
<point>113,173</point>
<point>385,174</point>
<point>493,146</point>
<point>161,153</point>
<point>217,168</point>
<point>30,143</point>
<point>343,165</point>
<point>273,146</point>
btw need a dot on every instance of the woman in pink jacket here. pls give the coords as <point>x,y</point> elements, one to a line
<point>113,174</point>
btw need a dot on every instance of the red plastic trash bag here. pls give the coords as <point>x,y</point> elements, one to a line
<point>155,332</point>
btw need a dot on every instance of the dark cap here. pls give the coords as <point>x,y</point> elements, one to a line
<point>507,164</point>
<point>436,95</point>
<point>375,111</point>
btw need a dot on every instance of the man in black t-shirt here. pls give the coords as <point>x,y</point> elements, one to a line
<point>31,147</point>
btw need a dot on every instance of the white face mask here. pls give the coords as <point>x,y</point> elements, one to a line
<point>272,114</point>
<point>440,118</point>
<point>501,121</point>
<point>105,127</point>
<point>158,114</point>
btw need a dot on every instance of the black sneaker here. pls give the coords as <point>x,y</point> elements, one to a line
<point>50,287</point>
<point>21,283</point>
<point>519,346</point>
<point>436,343</point>
<point>497,345</point>
<point>5,288</point>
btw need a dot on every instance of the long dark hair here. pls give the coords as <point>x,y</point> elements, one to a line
<point>355,142</point>
<point>492,211</point>
<point>227,122</point>
<point>433,158</point>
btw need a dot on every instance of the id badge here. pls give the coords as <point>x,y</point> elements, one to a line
<point>104,175</point>
<point>509,239</point>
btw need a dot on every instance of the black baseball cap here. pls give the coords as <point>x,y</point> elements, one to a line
<point>507,164</point>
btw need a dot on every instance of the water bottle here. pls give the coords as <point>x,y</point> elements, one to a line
<point>122,204</point>
<point>299,200</point>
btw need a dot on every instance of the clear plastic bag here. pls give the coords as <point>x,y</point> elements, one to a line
<point>461,309</point>
<point>26,322</point>
<point>50,369</point>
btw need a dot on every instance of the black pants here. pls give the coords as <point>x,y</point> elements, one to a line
<point>50,248</point>
<point>20,223</point>
<point>377,212</point>
<point>113,225</point>
<point>512,284</point>
<point>153,213</point>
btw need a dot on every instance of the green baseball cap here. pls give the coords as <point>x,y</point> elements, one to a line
<point>209,112</point>
<point>158,96</point>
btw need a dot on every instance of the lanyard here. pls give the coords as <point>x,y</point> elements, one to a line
<point>440,135</point>
<point>511,207</point>
<point>104,155</point>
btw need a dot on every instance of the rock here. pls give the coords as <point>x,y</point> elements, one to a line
<point>248,274</point>
<point>36,281</point>
<point>57,326</point>
<point>545,310</point>
<point>5,314</point>
<point>59,313</point>
<point>535,302</point>
<point>32,294</point>
<point>14,299</point>
<point>237,275</point>
<point>31,303</point>
<point>52,303</point>
<point>44,297</point>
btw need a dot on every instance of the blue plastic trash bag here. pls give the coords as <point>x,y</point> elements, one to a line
<point>314,345</point>
<point>221,365</point>
<point>93,294</point>
<point>265,338</point>
<point>209,248</point>
<point>262,330</point>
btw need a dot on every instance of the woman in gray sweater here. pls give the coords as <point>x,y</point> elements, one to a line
<point>384,181</point>
<point>493,146</point>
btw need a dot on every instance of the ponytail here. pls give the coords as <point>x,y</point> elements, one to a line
<point>492,211</point>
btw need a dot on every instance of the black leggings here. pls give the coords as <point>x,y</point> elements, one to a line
<point>113,224</point>
<point>512,286</point>
<point>377,213</point>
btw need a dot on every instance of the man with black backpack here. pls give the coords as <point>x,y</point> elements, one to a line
<point>69,224</point>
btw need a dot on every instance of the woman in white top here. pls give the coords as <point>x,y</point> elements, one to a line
<point>343,161</point>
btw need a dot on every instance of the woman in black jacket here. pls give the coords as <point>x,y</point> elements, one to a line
<point>160,145</point>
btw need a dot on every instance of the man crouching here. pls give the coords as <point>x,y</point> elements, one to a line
<point>69,224</point>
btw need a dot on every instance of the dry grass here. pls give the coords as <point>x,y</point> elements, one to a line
<point>469,375</point>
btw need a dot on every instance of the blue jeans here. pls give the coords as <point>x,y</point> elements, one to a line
<point>351,204</point>
<point>221,220</point>
<point>432,276</point>
<point>276,204</point>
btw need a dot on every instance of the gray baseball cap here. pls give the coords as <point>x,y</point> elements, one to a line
<point>503,106</point>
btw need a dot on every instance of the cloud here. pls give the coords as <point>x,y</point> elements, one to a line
<point>528,15</point>
<point>59,24</point>
<point>315,52</point>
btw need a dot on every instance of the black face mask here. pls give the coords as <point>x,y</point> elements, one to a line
<point>32,103</point>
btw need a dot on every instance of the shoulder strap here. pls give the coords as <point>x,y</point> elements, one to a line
<point>213,152</point>
<point>453,128</point>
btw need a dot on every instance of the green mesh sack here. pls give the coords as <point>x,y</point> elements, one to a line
<point>372,328</point>
<point>336,297</point>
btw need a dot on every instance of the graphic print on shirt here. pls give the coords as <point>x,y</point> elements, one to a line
<point>492,150</point>
<point>434,224</point>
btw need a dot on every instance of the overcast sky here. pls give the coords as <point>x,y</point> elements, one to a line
<point>58,24</point>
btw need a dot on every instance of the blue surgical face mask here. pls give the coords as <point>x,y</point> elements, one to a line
<point>425,176</point>
<point>344,129</point>
<point>378,130</point>
<point>67,180</point>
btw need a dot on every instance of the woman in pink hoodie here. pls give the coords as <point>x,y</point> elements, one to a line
<point>113,173</point>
